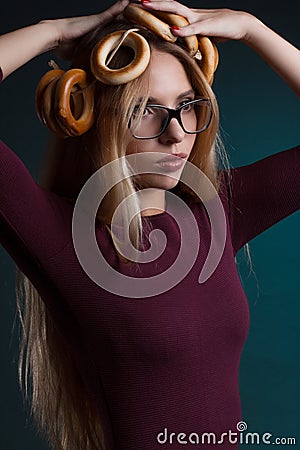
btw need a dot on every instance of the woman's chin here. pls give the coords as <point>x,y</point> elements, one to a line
<point>160,181</point>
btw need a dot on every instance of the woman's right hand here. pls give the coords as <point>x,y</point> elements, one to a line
<point>70,29</point>
<point>20,46</point>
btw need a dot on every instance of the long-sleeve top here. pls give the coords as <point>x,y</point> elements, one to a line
<point>163,364</point>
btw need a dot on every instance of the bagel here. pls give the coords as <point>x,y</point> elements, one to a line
<point>202,49</point>
<point>103,48</point>
<point>209,60</point>
<point>53,102</point>
<point>137,14</point>
<point>63,110</point>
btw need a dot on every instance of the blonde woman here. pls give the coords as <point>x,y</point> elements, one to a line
<point>127,366</point>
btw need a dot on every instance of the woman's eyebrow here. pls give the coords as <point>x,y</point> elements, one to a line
<point>186,93</point>
<point>180,96</point>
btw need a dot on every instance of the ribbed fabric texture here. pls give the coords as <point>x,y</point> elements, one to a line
<point>162,364</point>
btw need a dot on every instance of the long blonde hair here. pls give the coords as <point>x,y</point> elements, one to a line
<point>60,404</point>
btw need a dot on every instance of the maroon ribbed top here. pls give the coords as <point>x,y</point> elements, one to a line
<point>162,364</point>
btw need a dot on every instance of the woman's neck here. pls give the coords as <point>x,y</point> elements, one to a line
<point>152,201</point>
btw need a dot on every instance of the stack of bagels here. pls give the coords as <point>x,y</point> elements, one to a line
<point>65,99</point>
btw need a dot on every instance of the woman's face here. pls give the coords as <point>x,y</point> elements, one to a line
<point>168,86</point>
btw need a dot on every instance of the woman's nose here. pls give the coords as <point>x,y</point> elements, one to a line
<point>173,133</point>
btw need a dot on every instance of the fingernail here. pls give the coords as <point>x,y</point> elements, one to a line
<point>175,28</point>
<point>146,1</point>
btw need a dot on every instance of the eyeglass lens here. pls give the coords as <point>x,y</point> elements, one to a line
<point>195,117</point>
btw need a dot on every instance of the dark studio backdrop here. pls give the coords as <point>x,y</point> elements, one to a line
<point>259,117</point>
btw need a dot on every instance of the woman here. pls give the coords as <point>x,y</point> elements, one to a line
<point>115,370</point>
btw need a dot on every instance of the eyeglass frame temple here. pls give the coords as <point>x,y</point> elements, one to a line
<point>175,113</point>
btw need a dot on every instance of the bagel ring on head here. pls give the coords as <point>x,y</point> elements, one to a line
<point>151,20</point>
<point>203,50</point>
<point>113,41</point>
<point>65,85</point>
<point>53,102</point>
<point>210,58</point>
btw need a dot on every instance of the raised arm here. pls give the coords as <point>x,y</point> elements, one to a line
<point>20,46</point>
<point>31,217</point>
<point>225,24</point>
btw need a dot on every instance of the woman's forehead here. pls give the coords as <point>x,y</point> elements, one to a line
<point>166,77</point>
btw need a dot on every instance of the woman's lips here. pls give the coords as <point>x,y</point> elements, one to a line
<point>171,163</point>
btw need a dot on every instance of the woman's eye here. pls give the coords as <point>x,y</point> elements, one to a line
<point>148,110</point>
<point>145,112</point>
<point>186,106</point>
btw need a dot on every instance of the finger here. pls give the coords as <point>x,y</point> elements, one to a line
<point>204,28</point>
<point>170,6</point>
<point>200,10</point>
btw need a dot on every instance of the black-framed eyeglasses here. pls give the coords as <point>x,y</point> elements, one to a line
<point>193,116</point>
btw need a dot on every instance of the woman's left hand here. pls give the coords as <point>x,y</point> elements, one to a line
<point>221,24</point>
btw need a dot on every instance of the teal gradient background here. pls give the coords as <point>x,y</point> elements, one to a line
<point>259,117</point>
